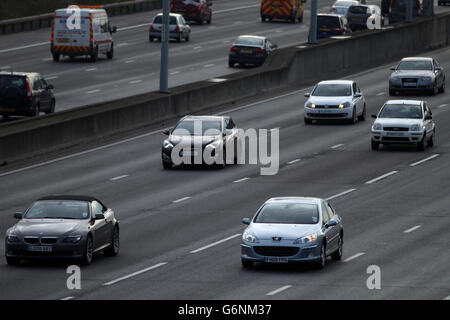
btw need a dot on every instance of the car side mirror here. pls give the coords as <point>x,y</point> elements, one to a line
<point>99,216</point>
<point>166,132</point>
<point>246,221</point>
<point>358,95</point>
<point>50,87</point>
<point>428,117</point>
<point>374,116</point>
<point>392,68</point>
<point>331,223</point>
<point>18,215</point>
<point>307,95</point>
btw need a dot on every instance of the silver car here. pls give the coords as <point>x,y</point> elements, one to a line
<point>417,74</point>
<point>335,99</point>
<point>178,28</point>
<point>404,121</point>
<point>293,229</point>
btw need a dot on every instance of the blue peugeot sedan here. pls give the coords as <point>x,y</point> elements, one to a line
<point>293,229</point>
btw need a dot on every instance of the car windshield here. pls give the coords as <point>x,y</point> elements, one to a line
<point>345,4</point>
<point>289,213</point>
<point>158,20</point>
<point>198,128</point>
<point>401,111</point>
<point>58,209</point>
<point>358,9</point>
<point>247,41</point>
<point>415,65</point>
<point>332,90</point>
<point>328,21</point>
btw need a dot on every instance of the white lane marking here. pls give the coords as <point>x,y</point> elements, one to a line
<point>133,27</point>
<point>442,105</point>
<point>51,78</point>
<point>424,160</point>
<point>196,48</point>
<point>380,93</point>
<point>235,9</point>
<point>209,65</point>
<point>294,161</point>
<point>337,146</point>
<point>68,298</point>
<point>119,177</point>
<point>241,180</point>
<point>26,47</point>
<point>91,69</point>
<point>122,44</point>
<point>135,81</point>
<point>354,256</point>
<point>47,59</point>
<point>5,67</point>
<point>129,61</point>
<point>274,292</point>
<point>382,177</point>
<point>215,243</point>
<point>340,194</point>
<point>181,200</point>
<point>134,274</point>
<point>412,229</point>
<point>145,135</point>
<point>93,91</point>
<point>174,73</point>
<point>226,41</point>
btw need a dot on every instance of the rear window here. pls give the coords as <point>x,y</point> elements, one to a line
<point>158,20</point>
<point>12,81</point>
<point>327,21</point>
<point>249,41</point>
<point>358,9</point>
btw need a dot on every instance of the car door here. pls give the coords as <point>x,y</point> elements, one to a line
<point>335,230</point>
<point>429,124</point>
<point>38,92</point>
<point>327,231</point>
<point>46,95</point>
<point>438,72</point>
<point>356,100</point>
<point>231,136</point>
<point>100,226</point>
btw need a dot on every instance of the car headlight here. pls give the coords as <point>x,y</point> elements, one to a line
<point>416,127</point>
<point>248,237</point>
<point>344,105</point>
<point>12,238</point>
<point>167,144</point>
<point>310,105</point>
<point>377,126</point>
<point>306,239</point>
<point>72,239</point>
<point>395,79</point>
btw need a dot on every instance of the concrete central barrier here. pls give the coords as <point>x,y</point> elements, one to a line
<point>287,67</point>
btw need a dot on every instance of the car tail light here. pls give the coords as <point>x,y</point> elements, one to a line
<point>29,92</point>
<point>151,27</point>
<point>337,29</point>
<point>199,6</point>
<point>234,49</point>
<point>259,51</point>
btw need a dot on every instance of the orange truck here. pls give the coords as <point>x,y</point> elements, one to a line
<point>291,10</point>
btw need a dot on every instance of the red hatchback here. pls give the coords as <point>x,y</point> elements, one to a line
<point>193,10</point>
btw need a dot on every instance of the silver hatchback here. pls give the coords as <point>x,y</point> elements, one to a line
<point>178,28</point>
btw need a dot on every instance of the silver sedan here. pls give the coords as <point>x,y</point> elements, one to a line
<point>293,229</point>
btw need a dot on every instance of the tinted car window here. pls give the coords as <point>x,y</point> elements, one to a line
<point>158,20</point>
<point>249,41</point>
<point>290,213</point>
<point>332,90</point>
<point>97,208</point>
<point>198,127</point>
<point>58,209</point>
<point>328,21</point>
<point>358,9</point>
<point>12,81</point>
<point>415,65</point>
<point>401,111</point>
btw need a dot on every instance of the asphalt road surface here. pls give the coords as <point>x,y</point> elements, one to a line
<point>180,229</point>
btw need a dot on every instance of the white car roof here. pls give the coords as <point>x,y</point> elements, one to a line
<point>414,102</point>
<point>310,200</point>
<point>417,58</point>
<point>67,11</point>
<point>349,82</point>
<point>250,36</point>
<point>170,14</point>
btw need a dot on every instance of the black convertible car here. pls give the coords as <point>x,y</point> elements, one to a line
<point>63,227</point>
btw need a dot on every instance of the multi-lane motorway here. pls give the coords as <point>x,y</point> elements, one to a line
<point>135,68</point>
<point>180,229</point>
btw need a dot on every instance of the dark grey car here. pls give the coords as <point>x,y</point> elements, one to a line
<point>63,227</point>
<point>417,74</point>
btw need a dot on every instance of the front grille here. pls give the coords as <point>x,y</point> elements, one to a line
<point>276,251</point>
<point>409,79</point>
<point>48,240</point>
<point>327,107</point>
<point>395,129</point>
<point>395,139</point>
<point>31,240</point>
<point>327,115</point>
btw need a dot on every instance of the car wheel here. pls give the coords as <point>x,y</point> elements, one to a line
<point>52,107</point>
<point>94,56</point>
<point>442,88</point>
<point>56,57</point>
<point>321,263</point>
<point>113,249</point>
<point>167,165</point>
<point>230,64</point>
<point>12,261</point>
<point>308,121</point>
<point>36,111</point>
<point>354,118</point>
<point>247,264</point>
<point>110,54</point>
<point>224,159</point>
<point>186,39</point>
<point>300,20</point>
<point>375,145</point>
<point>435,89</point>
<point>430,142</point>
<point>210,19</point>
<point>422,144</point>
<point>337,255</point>
<point>362,117</point>
<point>150,39</point>
<point>88,252</point>
<point>391,92</point>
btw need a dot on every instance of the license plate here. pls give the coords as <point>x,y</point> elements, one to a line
<point>276,259</point>
<point>246,51</point>
<point>358,19</point>
<point>40,248</point>
<point>394,134</point>
<point>410,84</point>
<point>324,29</point>
<point>7,109</point>
<point>63,40</point>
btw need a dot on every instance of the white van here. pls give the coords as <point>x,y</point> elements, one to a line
<point>80,32</point>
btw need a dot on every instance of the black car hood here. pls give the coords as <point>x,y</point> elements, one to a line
<point>189,140</point>
<point>49,227</point>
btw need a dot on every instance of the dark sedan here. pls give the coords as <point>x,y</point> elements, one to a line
<point>330,25</point>
<point>252,50</point>
<point>73,227</point>
<point>417,74</point>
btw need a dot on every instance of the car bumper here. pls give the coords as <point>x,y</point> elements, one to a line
<point>305,253</point>
<point>172,35</point>
<point>21,251</point>
<point>409,137</point>
<point>197,158</point>
<point>22,110</point>
<point>246,59</point>
<point>317,114</point>
<point>419,86</point>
